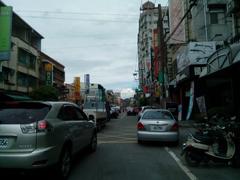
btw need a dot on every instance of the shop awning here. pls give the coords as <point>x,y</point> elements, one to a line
<point>221,59</point>
<point>11,97</point>
<point>19,98</point>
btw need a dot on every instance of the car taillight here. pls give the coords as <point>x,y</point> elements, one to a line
<point>42,125</point>
<point>174,127</point>
<point>28,128</point>
<point>140,126</point>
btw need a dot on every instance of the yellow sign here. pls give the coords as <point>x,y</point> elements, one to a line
<point>48,67</point>
<point>77,87</point>
<point>49,76</point>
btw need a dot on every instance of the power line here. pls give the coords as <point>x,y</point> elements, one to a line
<point>98,45</point>
<point>80,19</point>
<point>79,13</point>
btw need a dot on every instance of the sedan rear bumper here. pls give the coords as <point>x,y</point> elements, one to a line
<point>158,136</point>
<point>39,158</point>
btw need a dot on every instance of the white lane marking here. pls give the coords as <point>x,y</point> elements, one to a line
<point>180,164</point>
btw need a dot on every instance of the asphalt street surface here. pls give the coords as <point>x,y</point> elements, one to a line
<point>119,157</point>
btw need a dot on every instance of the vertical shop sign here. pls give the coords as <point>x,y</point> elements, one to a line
<point>49,77</point>
<point>5,32</point>
<point>77,88</point>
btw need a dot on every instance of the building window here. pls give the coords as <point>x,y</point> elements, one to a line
<point>26,80</point>
<point>32,62</point>
<point>26,59</point>
<point>22,79</point>
<point>217,18</point>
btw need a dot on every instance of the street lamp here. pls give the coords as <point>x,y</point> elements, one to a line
<point>135,74</point>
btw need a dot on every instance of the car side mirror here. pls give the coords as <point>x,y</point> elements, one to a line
<point>91,118</point>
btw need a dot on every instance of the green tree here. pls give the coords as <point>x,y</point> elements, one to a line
<point>45,93</point>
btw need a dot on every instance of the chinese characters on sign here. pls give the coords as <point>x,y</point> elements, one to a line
<point>48,69</point>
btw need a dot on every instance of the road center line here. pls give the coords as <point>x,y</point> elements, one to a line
<point>180,164</point>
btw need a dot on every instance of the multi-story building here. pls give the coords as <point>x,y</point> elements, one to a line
<point>57,72</point>
<point>207,29</point>
<point>20,74</point>
<point>117,98</point>
<point>233,7</point>
<point>209,21</point>
<point>70,96</point>
<point>147,23</point>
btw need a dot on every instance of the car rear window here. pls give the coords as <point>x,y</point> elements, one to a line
<point>22,113</point>
<point>158,115</point>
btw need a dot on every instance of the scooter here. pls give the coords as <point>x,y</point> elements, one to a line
<point>218,147</point>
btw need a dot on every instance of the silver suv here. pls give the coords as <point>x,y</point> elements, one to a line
<point>41,134</point>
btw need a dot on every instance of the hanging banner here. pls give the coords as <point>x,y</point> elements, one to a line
<point>5,32</point>
<point>191,100</point>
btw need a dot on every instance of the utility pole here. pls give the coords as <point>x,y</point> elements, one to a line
<point>162,51</point>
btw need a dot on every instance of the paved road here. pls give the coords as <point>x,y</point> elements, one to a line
<point>119,157</point>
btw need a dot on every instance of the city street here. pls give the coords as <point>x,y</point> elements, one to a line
<point>119,157</point>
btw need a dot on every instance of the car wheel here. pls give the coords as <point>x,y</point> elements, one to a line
<point>64,165</point>
<point>93,144</point>
<point>140,141</point>
<point>190,160</point>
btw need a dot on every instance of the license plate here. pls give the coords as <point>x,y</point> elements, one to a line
<point>3,143</point>
<point>156,128</point>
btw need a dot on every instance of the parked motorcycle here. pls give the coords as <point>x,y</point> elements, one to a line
<point>214,142</point>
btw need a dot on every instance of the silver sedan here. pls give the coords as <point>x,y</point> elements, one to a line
<point>157,125</point>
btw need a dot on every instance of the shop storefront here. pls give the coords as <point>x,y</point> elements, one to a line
<point>220,81</point>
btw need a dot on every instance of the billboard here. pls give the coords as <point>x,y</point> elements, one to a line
<point>5,32</point>
<point>195,53</point>
<point>176,12</point>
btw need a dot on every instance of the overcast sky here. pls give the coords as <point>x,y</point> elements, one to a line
<point>97,37</point>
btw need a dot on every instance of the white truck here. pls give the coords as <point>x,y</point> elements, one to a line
<point>94,105</point>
